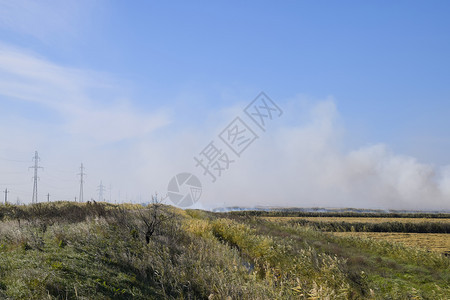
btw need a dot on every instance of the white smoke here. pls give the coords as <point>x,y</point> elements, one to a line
<point>299,161</point>
<point>304,166</point>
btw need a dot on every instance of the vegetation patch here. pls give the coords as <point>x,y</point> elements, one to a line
<point>101,251</point>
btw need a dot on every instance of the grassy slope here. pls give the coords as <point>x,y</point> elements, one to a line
<point>75,251</point>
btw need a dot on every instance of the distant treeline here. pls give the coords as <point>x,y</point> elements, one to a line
<point>260,213</point>
<point>406,227</point>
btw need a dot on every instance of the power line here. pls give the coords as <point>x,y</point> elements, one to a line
<point>36,166</point>
<point>13,160</point>
<point>14,184</point>
<point>81,183</point>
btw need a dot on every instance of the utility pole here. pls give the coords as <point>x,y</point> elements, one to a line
<point>110,190</point>
<point>6,196</point>
<point>81,183</point>
<point>48,197</point>
<point>100,189</point>
<point>36,166</point>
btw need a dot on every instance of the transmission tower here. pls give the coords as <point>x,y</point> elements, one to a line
<point>36,166</point>
<point>100,189</point>
<point>6,196</point>
<point>81,183</point>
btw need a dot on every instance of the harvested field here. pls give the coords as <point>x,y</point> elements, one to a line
<point>430,241</point>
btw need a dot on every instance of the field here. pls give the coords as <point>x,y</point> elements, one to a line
<point>439,242</point>
<point>94,250</point>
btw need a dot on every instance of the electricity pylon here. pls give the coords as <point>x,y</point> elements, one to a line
<point>100,189</point>
<point>80,199</point>
<point>36,166</point>
<point>6,196</point>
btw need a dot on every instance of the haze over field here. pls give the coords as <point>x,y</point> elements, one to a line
<point>136,91</point>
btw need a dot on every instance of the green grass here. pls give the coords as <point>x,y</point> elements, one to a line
<point>100,251</point>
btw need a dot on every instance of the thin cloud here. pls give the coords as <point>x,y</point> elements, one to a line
<point>71,94</point>
<point>45,20</point>
<point>70,116</point>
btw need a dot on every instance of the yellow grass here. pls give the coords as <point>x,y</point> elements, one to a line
<point>439,242</point>
<point>359,219</point>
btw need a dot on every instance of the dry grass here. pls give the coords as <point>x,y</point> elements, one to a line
<point>438,242</point>
<point>101,251</point>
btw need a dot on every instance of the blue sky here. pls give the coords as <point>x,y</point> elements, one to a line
<point>106,81</point>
